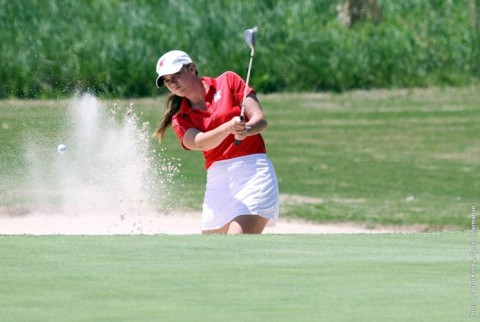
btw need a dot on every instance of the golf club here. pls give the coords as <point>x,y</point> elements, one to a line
<point>249,36</point>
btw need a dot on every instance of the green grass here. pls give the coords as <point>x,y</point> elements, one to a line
<point>400,157</point>
<point>390,277</point>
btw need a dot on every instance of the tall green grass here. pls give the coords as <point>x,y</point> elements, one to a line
<point>53,48</point>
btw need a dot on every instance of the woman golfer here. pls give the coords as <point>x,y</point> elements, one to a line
<point>242,191</point>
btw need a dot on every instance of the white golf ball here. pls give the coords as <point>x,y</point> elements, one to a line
<point>62,148</point>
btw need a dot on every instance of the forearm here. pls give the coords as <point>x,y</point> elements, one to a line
<point>256,125</point>
<point>197,140</point>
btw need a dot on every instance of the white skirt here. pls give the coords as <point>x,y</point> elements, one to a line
<point>240,186</point>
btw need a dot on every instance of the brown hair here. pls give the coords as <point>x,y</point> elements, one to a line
<point>173,107</point>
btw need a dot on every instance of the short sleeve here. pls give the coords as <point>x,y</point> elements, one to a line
<point>180,127</point>
<point>237,85</point>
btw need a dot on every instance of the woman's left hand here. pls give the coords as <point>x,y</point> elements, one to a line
<point>243,133</point>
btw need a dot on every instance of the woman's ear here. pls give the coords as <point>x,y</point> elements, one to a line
<point>192,68</point>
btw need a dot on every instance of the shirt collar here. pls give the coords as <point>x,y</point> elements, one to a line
<point>210,85</point>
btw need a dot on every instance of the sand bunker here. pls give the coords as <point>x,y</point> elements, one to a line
<point>36,223</point>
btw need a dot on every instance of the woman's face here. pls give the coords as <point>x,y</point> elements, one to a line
<point>179,83</point>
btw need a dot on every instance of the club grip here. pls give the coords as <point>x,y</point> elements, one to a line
<point>237,142</point>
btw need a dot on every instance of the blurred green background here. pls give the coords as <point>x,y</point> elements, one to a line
<point>110,47</point>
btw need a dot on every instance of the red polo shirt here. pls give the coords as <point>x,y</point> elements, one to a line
<point>223,101</point>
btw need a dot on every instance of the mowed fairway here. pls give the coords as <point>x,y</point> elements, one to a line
<point>388,277</point>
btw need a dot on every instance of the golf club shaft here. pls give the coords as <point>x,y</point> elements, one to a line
<point>242,112</point>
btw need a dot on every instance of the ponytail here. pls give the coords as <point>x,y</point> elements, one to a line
<point>173,107</point>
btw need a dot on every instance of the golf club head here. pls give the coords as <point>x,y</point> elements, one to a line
<point>249,36</point>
